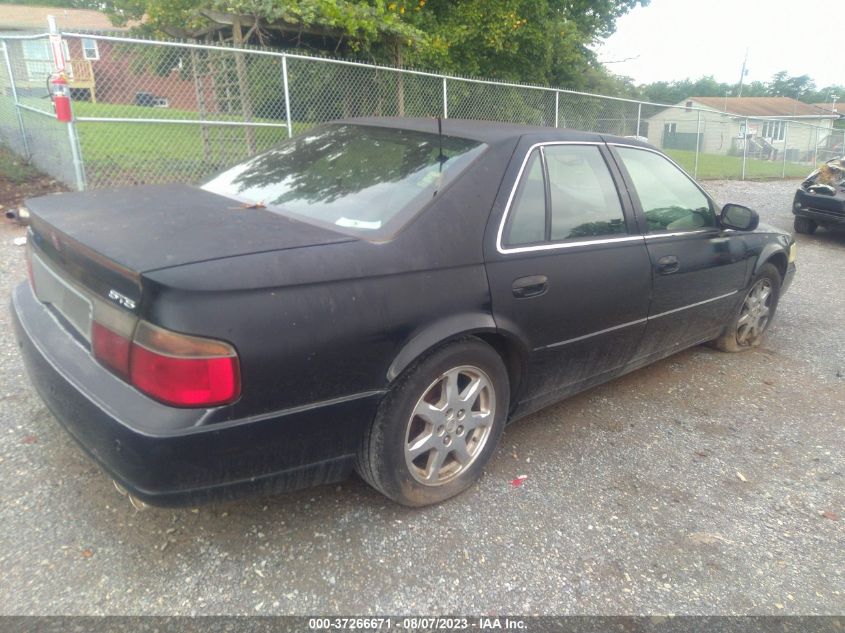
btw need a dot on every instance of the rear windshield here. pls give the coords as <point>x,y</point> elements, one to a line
<point>352,176</point>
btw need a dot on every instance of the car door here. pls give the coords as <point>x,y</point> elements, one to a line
<point>698,269</point>
<point>567,271</point>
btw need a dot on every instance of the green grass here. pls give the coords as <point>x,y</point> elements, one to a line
<point>135,153</point>
<point>124,153</point>
<point>718,167</point>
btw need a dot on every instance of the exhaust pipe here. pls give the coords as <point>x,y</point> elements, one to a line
<point>134,501</point>
<point>19,215</point>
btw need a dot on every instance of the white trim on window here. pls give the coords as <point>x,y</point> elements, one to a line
<point>773,130</point>
<point>89,53</point>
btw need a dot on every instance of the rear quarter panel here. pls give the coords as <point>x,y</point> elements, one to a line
<point>318,323</point>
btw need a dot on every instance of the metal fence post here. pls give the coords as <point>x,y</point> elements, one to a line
<point>816,148</point>
<point>639,118</point>
<point>76,155</point>
<point>445,100</point>
<point>697,145</point>
<point>557,107</point>
<point>744,147</point>
<point>785,143</point>
<point>287,94</point>
<point>14,91</point>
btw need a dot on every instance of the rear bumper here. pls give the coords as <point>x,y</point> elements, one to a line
<point>166,456</point>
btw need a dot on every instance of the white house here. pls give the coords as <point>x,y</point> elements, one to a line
<point>721,125</point>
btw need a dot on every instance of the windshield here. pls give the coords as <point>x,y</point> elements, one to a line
<point>352,176</point>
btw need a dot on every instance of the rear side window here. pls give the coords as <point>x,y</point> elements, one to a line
<point>527,222</point>
<point>669,198</point>
<point>582,198</point>
<point>352,176</point>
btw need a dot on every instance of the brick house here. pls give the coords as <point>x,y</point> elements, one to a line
<point>98,70</point>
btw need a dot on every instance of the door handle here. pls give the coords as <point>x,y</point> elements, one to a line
<point>668,265</point>
<point>532,286</point>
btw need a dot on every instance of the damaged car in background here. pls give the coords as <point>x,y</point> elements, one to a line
<point>382,295</point>
<point>820,200</point>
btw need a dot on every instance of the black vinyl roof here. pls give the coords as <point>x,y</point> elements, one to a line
<point>488,131</point>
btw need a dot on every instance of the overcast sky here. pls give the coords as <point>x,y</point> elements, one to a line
<point>676,39</point>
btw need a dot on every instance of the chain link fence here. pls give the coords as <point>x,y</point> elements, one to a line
<point>28,125</point>
<point>150,111</point>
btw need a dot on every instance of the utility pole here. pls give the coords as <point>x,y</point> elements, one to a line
<point>743,73</point>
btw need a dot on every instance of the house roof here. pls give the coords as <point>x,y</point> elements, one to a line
<point>829,107</point>
<point>21,17</point>
<point>762,106</point>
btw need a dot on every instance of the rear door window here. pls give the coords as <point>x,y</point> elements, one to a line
<point>566,193</point>
<point>527,222</point>
<point>584,200</point>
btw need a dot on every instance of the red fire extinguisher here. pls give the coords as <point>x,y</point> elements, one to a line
<point>60,94</point>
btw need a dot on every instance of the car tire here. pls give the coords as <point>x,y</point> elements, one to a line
<point>755,313</point>
<point>805,225</point>
<point>438,425</point>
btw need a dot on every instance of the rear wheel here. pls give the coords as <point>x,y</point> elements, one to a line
<point>755,313</point>
<point>439,425</point>
<point>805,225</point>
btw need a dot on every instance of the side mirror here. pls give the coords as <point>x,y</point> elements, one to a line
<point>736,216</point>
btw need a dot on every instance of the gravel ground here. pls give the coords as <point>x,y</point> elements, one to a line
<point>706,484</point>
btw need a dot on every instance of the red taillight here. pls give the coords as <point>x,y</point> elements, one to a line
<point>111,349</point>
<point>185,382</point>
<point>177,369</point>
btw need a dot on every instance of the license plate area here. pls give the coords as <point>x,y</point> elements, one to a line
<point>67,300</point>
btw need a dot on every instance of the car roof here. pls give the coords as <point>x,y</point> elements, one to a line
<point>490,131</point>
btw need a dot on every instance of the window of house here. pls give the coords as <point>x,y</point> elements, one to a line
<point>774,130</point>
<point>670,200</point>
<point>37,59</point>
<point>90,49</point>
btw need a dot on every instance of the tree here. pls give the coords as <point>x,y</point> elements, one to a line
<point>782,85</point>
<point>534,41</point>
<point>800,87</point>
<point>333,26</point>
<point>66,4</point>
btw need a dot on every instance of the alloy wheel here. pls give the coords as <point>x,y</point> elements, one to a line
<point>755,313</point>
<point>450,425</point>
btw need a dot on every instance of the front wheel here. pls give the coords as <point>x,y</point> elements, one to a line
<point>755,313</point>
<point>438,426</point>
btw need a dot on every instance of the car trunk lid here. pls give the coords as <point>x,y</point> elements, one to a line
<point>152,227</point>
<point>89,250</point>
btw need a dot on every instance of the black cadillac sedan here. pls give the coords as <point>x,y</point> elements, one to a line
<point>380,295</point>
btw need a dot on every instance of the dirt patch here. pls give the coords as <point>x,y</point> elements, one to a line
<point>12,194</point>
<point>20,180</point>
